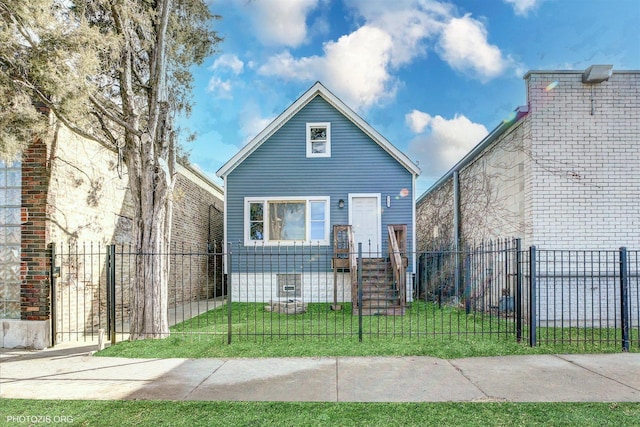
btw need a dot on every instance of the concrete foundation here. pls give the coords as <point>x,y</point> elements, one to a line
<point>34,334</point>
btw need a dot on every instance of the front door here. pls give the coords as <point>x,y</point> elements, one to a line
<point>364,217</point>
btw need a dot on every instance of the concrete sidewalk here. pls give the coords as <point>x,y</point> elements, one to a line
<point>71,373</point>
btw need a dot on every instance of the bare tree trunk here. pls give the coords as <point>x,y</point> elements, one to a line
<point>150,159</point>
<point>152,184</point>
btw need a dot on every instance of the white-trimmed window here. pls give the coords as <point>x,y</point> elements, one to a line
<point>319,139</point>
<point>286,220</point>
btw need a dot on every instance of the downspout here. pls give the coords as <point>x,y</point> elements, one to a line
<point>209,229</point>
<point>456,233</point>
<point>225,247</point>
<point>414,236</point>
<point>209,240</point>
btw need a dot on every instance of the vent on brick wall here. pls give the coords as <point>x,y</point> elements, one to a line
<point>289,285</point>
<point>593,75</point>
<point>597,74</point>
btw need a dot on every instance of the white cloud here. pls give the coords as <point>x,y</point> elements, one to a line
<point>414,25</point>
<point>409,29</point>
<point>282,22</point>
<point>286,66</point>
<point>417,120</point>
<point>354,66</point>
<point>220,88</point>
<point>445,143</point>
<point>228,61</point>
<point>251,122</point>
<point>522,7</point>
<point>417,25</point>
<point>465,47</point>
<point>360,66</point>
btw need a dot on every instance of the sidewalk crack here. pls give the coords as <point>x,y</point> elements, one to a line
<point>595,372</point>
<point>486,396</point>
<point>204,380</point>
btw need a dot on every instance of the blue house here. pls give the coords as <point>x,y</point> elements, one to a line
<point>319,180</point>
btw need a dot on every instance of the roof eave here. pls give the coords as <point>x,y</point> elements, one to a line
<point>252,145</point>
<point>383,142</point>
<point>304,99</point>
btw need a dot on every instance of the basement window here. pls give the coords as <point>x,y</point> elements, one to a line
<point>289,285</point>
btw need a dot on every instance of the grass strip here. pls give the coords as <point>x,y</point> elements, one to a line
<point>162,413</point>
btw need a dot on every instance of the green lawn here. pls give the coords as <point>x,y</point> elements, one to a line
<point>157,413</point>
<point>425,329</point>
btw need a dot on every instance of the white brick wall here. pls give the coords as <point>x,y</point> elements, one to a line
<point>316,287</point>
<point>87,200</point>
<point>567,176</point>
<point>584,183</point>
<point>262,287</point>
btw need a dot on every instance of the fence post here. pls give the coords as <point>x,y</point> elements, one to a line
<point>111,292</point>
<point>360,291</point>
<point>229,292</point>
<point>532,295</point>
<point>52,292</point>
<point>467,280</point>
<point>624,299</point>
<point>518,296</point>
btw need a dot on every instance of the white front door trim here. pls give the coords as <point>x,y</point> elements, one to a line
<point>366,229</point>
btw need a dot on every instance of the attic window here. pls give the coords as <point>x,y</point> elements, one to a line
<point>318,139</point>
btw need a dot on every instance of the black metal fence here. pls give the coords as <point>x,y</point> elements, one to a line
<point>496,290</point>
<point>585,296</point>
<point>92,287</point>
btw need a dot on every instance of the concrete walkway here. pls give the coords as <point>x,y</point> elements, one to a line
<point>71,373</point>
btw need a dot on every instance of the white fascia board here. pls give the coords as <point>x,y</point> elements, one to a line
<point>304,99</point>
<point>276,124</point>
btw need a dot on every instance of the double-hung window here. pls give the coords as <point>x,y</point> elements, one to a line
<point>319,139</point>
<point>287,220</point>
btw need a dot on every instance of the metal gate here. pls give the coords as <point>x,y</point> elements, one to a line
<point>92,283</point>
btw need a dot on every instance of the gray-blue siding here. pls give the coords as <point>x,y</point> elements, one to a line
<point>280,168</point>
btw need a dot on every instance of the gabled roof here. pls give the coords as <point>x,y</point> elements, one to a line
<point>316,90</point>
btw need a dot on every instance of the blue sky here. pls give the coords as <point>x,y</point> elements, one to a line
<point>433,77</point>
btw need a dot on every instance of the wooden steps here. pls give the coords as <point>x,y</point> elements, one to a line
<point>383,279</point>
<point>379,295</point>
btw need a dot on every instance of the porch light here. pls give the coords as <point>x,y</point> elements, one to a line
<point>341,203</point>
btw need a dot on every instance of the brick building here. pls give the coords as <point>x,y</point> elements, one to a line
<point>563,172</point>
<point>71,191</point>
